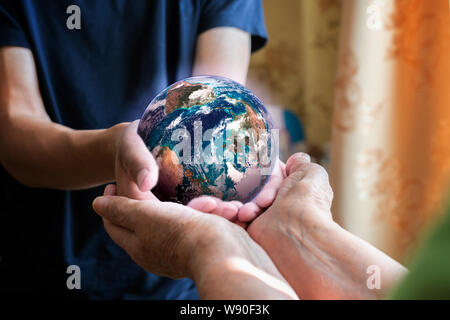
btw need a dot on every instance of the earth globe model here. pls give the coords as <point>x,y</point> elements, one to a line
<point>209,136</point>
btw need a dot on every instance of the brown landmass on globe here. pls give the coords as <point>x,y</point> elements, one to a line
<point>171,173</point>
<point>178,97</point>
<point>252,120</point>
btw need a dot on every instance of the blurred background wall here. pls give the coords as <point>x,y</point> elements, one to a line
<point>368,82</point>
<point>296,70</point>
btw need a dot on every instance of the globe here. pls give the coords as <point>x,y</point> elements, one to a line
<point>209,136</point>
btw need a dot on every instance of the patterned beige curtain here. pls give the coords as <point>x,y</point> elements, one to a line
<point>390,151</point>
<point>374,77</point>
<point>296,70</point>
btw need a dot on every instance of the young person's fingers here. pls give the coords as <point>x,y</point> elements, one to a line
<point>136,159</point>
<point>128,188</point>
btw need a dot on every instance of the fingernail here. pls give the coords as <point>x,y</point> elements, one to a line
<point>229,213</point>
<point>142,175</point>
<point>303,156</point>
<point>100,202</point>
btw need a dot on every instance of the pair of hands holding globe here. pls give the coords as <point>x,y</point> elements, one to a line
<point>200,239</point>
<point>137,173</point>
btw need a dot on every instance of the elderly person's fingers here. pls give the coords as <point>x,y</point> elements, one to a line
<point>208,204</point>
<point>117,211</point>
<point>204,204</point>
<point>296,162</point>
<point>110,190</point>
<point>306,181</point>
<point>135,168</point>
<point>249,211</point>
<point>157,235</point>
<point>163,236</point>
<point>266,196</point>
<point>241,224</point>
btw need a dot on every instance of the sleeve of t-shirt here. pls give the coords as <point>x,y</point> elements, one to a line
<point>11,32</point>
<point>247,15</point>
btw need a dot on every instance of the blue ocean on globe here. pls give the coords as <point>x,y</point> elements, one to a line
<point>210,136</point>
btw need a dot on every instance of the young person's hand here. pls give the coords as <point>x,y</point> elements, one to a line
<point>135,168</point>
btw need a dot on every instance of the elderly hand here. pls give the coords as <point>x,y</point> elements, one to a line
<point>173,240</point>
<point>240,213</point>
<point>303,198</point>
<point>314,254</point>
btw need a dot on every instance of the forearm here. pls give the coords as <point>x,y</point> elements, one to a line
<point>324,261</point>
<point>40,153</point>
<point>223,51</point>
<point>238,279</point>
<point>236,270</point>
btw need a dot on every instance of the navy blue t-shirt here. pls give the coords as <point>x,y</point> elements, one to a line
<point>90,78</point>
